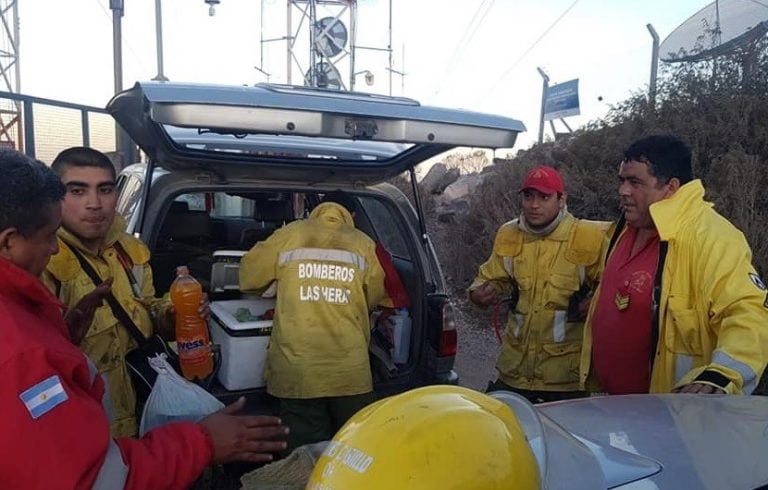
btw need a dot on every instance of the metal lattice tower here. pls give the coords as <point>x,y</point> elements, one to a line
<point>315,68</point>
<point>10,76</point>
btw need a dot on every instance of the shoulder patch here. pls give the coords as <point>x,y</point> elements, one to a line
<point>44,397</point>
<point>586,242</point>
<point>135,248</point>
<point>757,281</point>
<point>63,265</point>
<point>509,240</point>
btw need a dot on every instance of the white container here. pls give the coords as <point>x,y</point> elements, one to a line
<point>225,270</point>
<point>243,344</point>
<point>401,335</point>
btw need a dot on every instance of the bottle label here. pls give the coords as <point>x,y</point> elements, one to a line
<point>192,350</point>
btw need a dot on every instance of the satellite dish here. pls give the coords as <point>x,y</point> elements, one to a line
<point>715,30</point>
<point>326,76</point>
<point>330,36</point>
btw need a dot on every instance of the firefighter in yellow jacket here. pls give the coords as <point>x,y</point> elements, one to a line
<point>328,280</point>
<point>680,307</point>
<point>551,260</point>
<point>91,227</point>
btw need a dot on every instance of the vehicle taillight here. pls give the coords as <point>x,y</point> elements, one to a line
<point>448,338</point>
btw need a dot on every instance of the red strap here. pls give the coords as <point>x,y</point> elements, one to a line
<point>495,314</point>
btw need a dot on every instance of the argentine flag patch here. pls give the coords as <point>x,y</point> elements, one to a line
<point>44,397</point>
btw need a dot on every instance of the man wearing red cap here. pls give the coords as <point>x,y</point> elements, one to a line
<point>551,260</point>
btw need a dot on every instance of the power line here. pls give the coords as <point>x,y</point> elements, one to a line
<point>466,38</point>
<point>530,48</point>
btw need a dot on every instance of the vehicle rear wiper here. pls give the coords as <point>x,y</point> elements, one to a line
<point>221,131</point>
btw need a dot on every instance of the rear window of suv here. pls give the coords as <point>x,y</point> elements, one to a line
<point>387,231</point>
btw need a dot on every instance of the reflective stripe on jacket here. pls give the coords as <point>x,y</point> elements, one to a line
<point>540,348</point>
<point>328,280</point>
<point>713,310</point>
<point>107,341</point>
<point>55,431</point>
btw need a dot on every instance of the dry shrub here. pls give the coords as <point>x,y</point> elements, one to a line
<point>736,185</point>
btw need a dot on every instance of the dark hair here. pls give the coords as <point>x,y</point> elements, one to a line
<point>82,156</point>
<point>666,156</point>
<point>341,197</point>
<point>27,190</point>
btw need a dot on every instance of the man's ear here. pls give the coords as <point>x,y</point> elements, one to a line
<point>563,199</point>
<point>674,185</point>
<point>7,237</point>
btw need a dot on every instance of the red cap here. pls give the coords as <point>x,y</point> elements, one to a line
<point>543,179</point>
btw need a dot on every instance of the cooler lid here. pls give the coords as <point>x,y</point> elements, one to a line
<point>229,321</point>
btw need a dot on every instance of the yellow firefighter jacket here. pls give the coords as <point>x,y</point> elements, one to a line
<point>713,313</point>
<point>328,280</point>
<point>541,348</point>
<point>107,342</point>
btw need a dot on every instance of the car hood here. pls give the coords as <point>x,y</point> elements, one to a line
<point>702,441</point>
<point>297,133</point>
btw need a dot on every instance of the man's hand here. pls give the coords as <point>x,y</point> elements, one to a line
<point>700,388</point>
<point>204,310</point>
<point>484,295</point>
<point>244,438</point>
<point>80,317</point>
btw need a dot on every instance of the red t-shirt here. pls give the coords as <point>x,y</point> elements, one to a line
<point>621,323</point>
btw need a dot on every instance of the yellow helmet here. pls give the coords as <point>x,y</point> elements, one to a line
<point>438,437</point>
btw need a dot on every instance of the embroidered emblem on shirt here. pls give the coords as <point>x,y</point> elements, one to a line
<point>757,281</point>
<point>44,396</point>
<point>622,297</point>
<point>639,281</point>
<point>622,302</point>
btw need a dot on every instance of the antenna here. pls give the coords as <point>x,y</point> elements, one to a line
<point>330,36</point>
<point>328,29</point>
<point>718,29</point>
<point>326,76</point>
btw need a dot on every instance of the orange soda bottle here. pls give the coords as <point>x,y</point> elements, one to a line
<point>191,331</point>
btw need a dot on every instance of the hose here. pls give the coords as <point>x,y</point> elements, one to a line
<point>496,317</point>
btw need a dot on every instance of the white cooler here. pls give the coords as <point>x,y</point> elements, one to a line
<point>243,344</point>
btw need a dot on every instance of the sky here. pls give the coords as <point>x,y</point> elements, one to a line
<point>478,55</point>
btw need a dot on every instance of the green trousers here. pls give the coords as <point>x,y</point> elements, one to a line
<point>317,419</point>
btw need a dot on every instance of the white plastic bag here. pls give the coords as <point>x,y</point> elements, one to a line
<point>174,399</point>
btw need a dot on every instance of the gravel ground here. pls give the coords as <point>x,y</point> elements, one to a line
<point>478,347</point>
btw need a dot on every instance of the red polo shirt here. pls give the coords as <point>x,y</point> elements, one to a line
<point>621,323</point>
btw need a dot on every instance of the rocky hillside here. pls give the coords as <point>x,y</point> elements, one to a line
<point>719,109</point>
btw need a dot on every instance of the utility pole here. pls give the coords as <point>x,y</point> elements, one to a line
<point>123,143</point>
<point>654,67</point>
<point>544,89</point>
<point>117,42</point>
<point>160,77</point>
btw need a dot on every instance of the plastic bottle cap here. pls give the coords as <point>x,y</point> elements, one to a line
<point>182,270</point>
